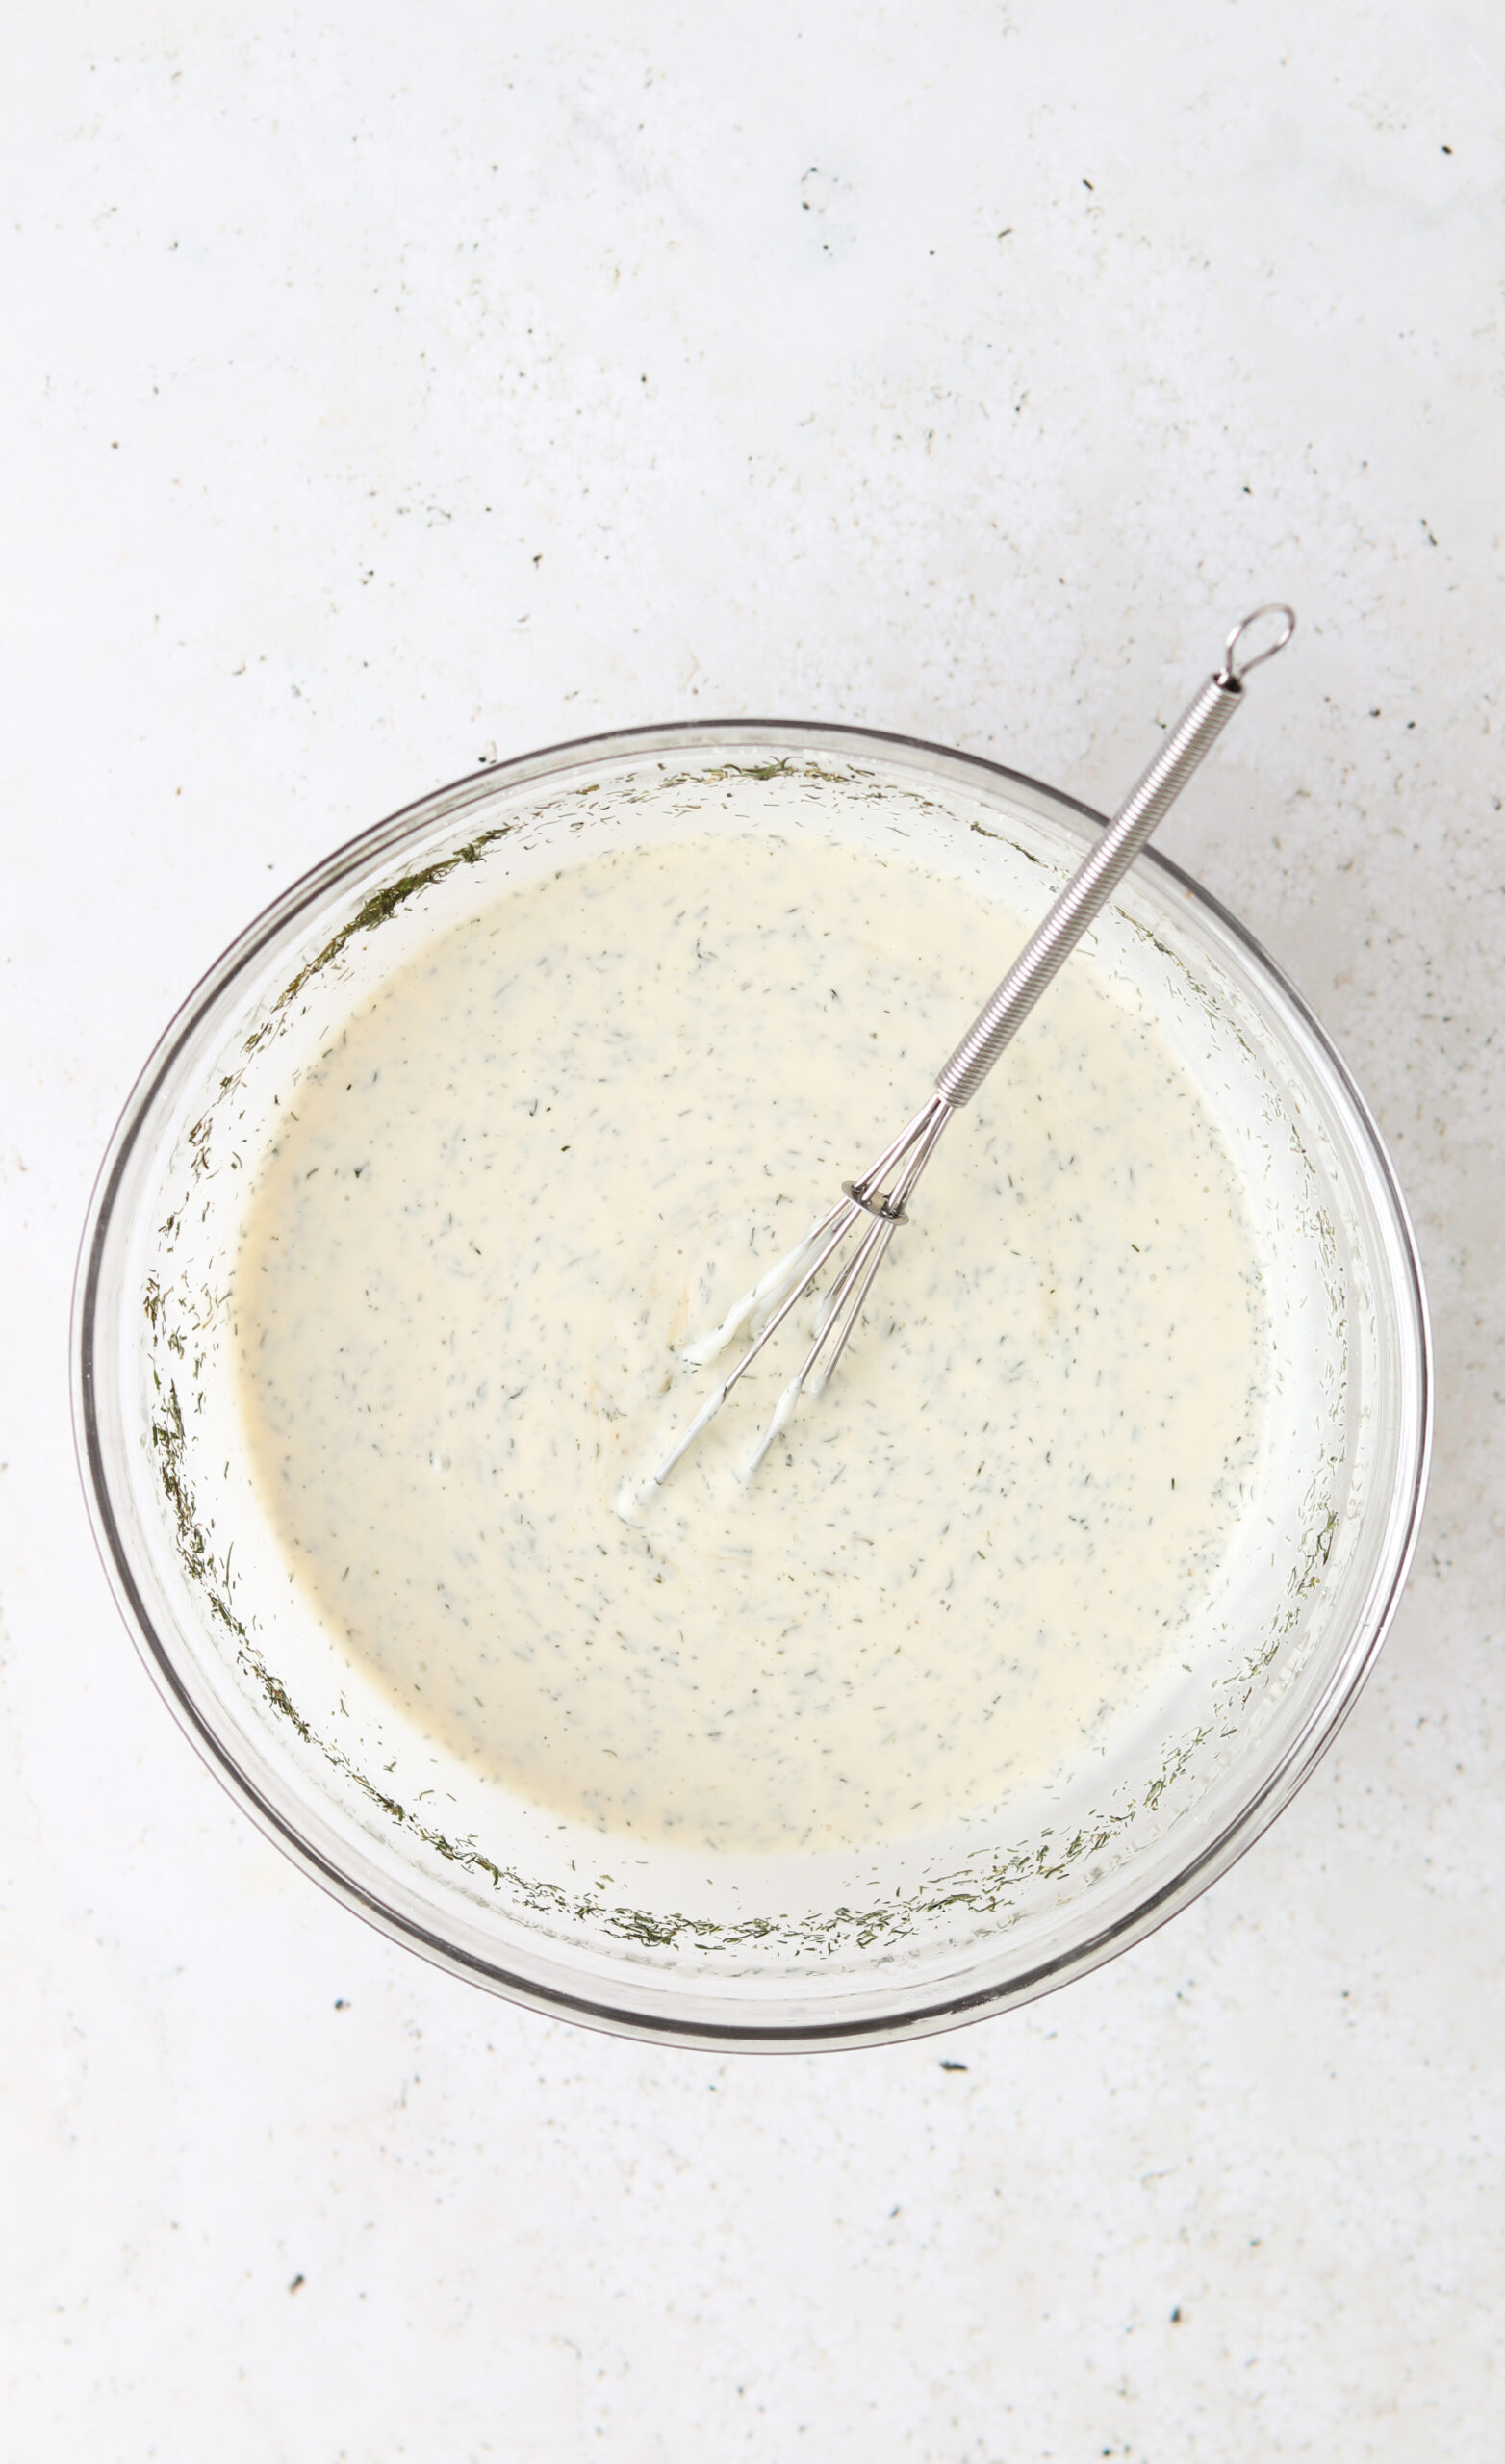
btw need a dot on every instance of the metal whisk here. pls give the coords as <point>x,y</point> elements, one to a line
<point>876,1202</point>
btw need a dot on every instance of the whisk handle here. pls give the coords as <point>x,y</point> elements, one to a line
<point>1093,884</point>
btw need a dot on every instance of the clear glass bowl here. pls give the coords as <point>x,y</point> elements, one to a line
<point>792,1952</point>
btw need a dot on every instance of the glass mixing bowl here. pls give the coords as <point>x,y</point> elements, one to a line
<point>772,1952</point>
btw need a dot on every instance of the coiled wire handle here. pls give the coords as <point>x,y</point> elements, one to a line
<point>1092,886</point>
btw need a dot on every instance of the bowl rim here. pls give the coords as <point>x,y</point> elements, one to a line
<point>743,2033</point>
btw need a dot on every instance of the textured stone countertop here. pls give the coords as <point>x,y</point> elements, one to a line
<point>390,389</point>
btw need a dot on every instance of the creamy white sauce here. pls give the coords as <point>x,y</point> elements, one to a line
<point>551,1149</point>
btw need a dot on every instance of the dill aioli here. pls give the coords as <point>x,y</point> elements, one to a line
<point>555,1145</point>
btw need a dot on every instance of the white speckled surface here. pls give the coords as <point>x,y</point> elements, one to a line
<point>385,387</point>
